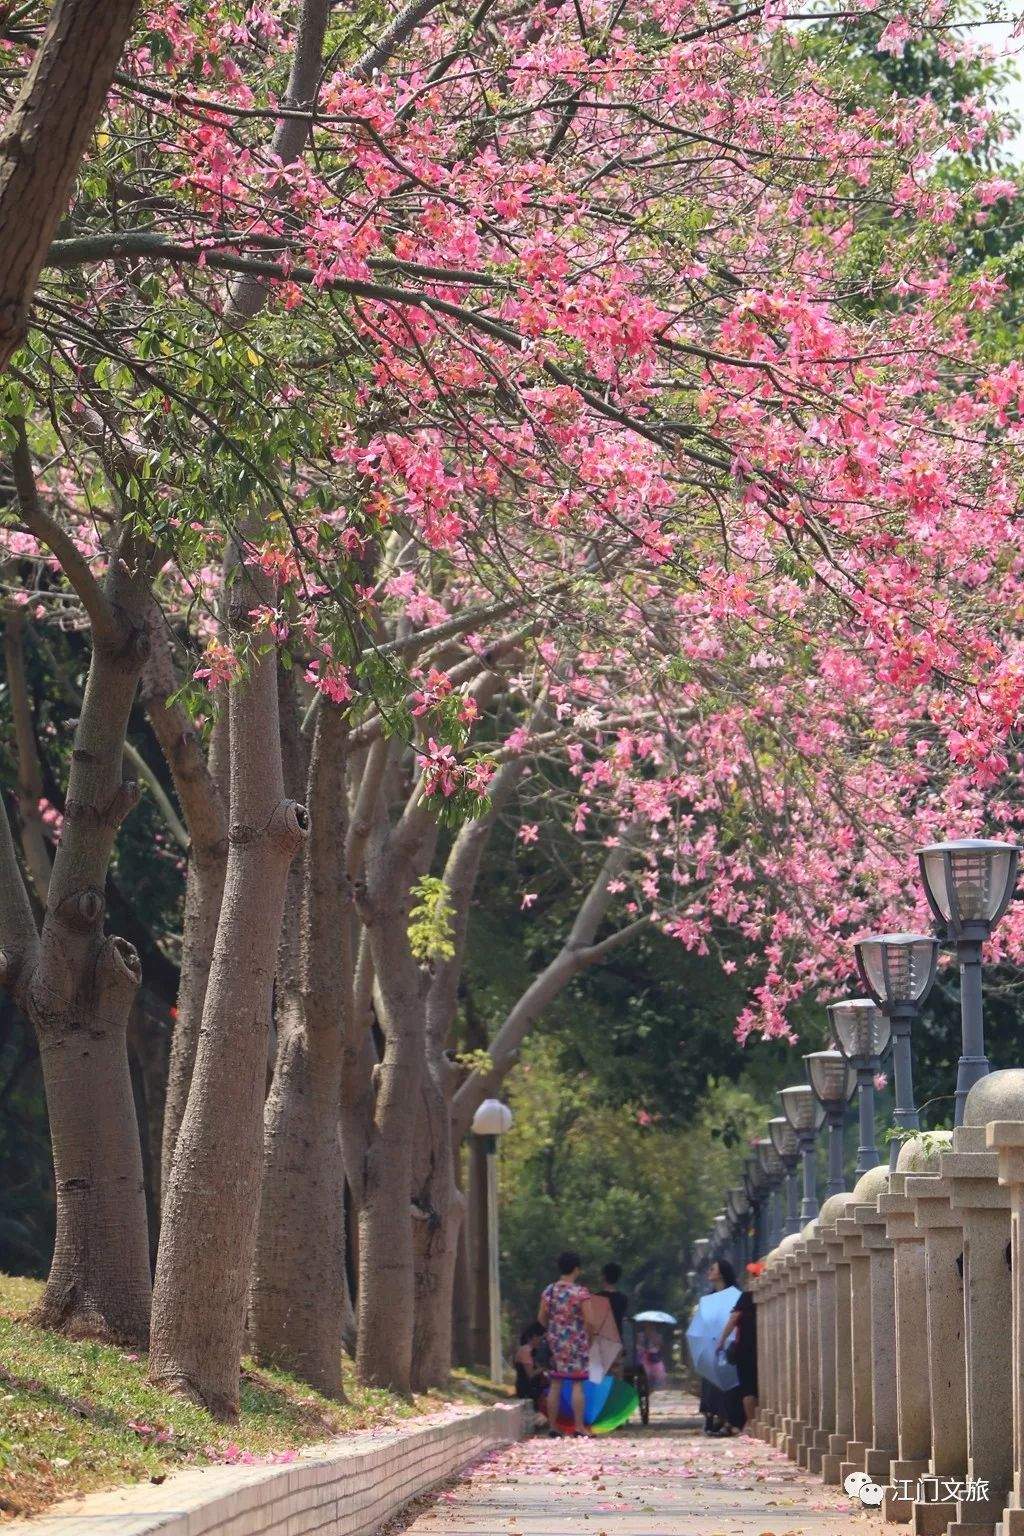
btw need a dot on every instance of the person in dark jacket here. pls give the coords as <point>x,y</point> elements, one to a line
<point>741,1325</point>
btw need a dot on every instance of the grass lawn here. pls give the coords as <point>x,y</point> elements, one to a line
<point>76,1416</point>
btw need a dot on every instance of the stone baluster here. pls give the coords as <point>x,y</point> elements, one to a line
<point>833,1457</point>
<point>809,1291</point>
<point>1006,1139</point>
<point>824,1281</point>
<point>913,1398</point>
<point>858,1265</point>
<point>801,1415</point>
<point>884,1444</point>
<point>984,1208</point>
<point>947,1360</point>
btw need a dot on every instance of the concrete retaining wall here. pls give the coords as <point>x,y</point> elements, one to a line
<point>346,1487</point>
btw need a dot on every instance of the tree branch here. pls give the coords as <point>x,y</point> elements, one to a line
<point>61,545</point>
<point>578,951</point>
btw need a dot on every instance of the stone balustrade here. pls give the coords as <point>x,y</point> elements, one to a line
<point>891,1329</point>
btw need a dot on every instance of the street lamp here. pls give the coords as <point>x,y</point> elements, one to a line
<point>862,1033</point>
<point>834,1081</point>
<point>969,885</point>
<point>491,1121</point>
<point>774,1170</point>
<point>805,1113</point>
<point>784,1140</point>
<point>756,1185</point>
<point>898,970</point>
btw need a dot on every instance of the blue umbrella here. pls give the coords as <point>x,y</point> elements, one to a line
<point>703,1334</point>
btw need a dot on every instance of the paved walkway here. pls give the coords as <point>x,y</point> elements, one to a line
<point>667,1480</point>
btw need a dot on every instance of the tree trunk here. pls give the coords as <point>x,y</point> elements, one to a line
<point>201,791</point>
<point>386,1272</point>
<point>43,141</point>
<point>438,1207</point>
<point>211,1207</point>
<point>299,1298</point>
<point>98,1284</point>
<point>204,891</point>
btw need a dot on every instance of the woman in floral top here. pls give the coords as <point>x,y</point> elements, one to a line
<point>561,1312</point>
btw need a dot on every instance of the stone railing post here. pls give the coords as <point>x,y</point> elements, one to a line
<point>883,1448</point>
<point>1006,1139</point>
<point>809,1289</point>
<point>761,1287</point>
<point>786,1336</point>
<point>842,1433</point>
<point>947,1359</point>
<point>824,1282</point>
<point>984,1208</point>
<point>858,1262</point>
<point>913,1398</point>
<point>799,1350</point>
<point>807,1346</point>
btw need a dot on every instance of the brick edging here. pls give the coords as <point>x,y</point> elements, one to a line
<point>346,1487</point>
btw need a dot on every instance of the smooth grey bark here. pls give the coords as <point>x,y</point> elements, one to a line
<point>211,1206</point>
<point>200,787</point>
<point>299,1303</point>
<point>384,1175</point>
<point>74,983</point>
<point>77,989</point>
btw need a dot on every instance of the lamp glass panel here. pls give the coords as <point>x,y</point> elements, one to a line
<point>979,870</point>
<point>802,1109</point>
<point>898,965</point>
<point>783,1136</point>
<point>860,1026</point>
<point>832,1077</point>
<point>768,1157</point>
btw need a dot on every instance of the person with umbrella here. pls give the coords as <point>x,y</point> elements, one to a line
<point>650,1346</point>
<point>703,1338</point>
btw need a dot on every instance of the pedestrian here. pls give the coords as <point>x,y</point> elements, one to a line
<point>562,1315</point>
<point>722,1410</point>
<point>741,1329</point>
<point>531,1378</point>
<point>617,1300</point>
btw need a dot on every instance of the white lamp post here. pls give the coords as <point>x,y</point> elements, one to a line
<point>492,1120</point>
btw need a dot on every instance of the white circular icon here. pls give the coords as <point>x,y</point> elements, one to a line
<point>855,1482</point>
<point>872,1494</point>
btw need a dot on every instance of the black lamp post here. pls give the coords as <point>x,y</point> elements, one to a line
<point>774,1171</point>
<point>969,885</point>
<point>804,1112</point>
<point>862,1033</point>
<point>784,1140</point>
<point>898,970</point>
<point>834,1082</point>
<point>738,1209</point>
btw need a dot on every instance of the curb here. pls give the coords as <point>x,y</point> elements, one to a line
<point>346,1487</point>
